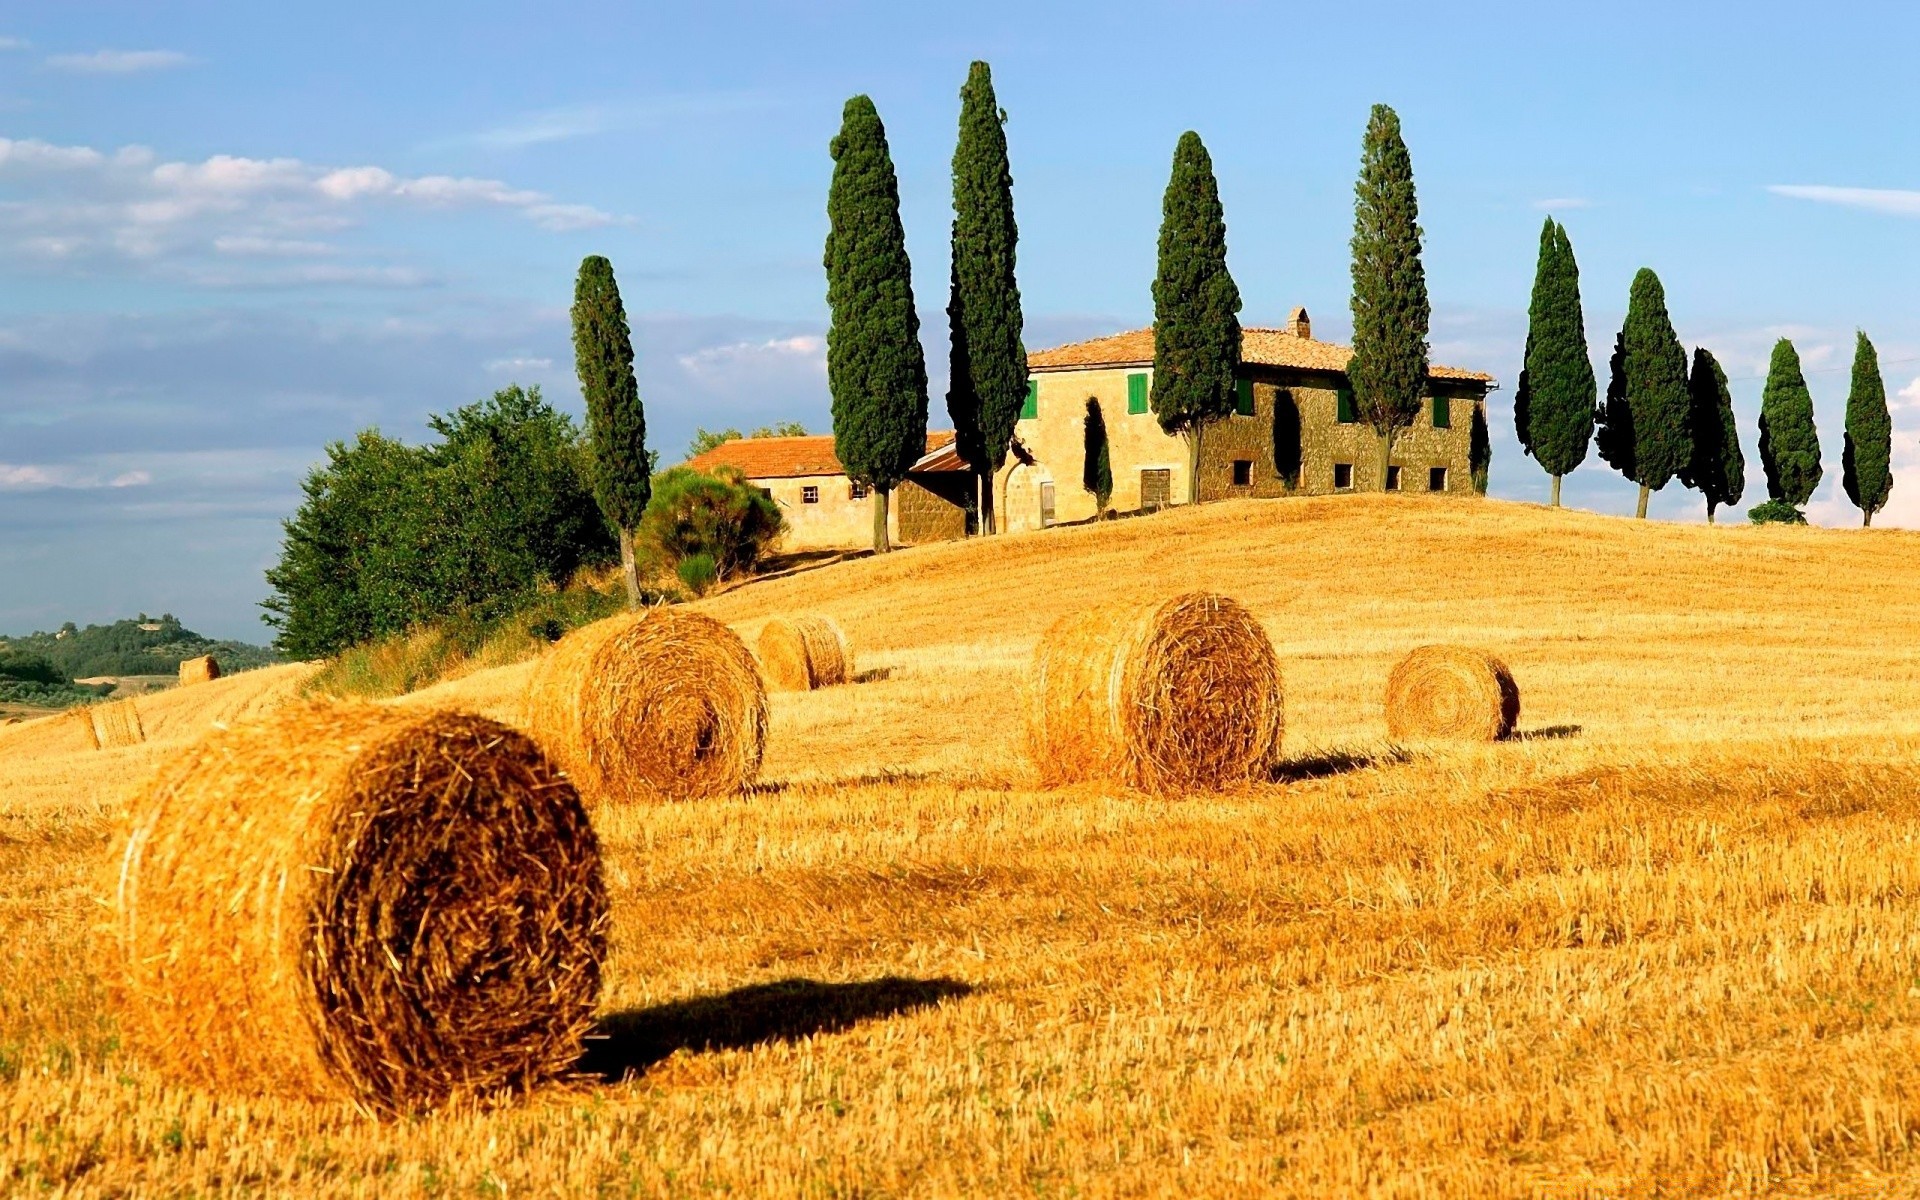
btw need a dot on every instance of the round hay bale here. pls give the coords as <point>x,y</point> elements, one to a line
<point>660,705</point>
<point>1451,693</point>
<point>386,906</point>
<point>116,723</point>
<point>801,653</point>
<point>1175,695</point>
<point>204,669</point>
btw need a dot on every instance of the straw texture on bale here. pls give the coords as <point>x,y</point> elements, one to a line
<point>1176,695</point>
<point>801,653</point>
<point>116,724</point>
<point>204,669</point>
<point>661,705</point>
<point>72,730</point>
<point>1451,693</point>
<point>384,906</point>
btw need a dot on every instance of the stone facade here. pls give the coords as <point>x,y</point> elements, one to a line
<point>1293,443</point>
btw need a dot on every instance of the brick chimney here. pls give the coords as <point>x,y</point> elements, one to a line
<point>1298,324</point>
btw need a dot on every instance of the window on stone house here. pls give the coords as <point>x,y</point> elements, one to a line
<point>1242,472</point>
<point>1436,479</point>
<point>809,494</point>
<point>1342,477</point>
<point>857,490</point>
<point>1393,479</point>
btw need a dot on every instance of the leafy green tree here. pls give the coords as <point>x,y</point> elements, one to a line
<point>1196,306</point>
<point>1866,461</point>
<point>714,514</point>
<point>1480,449</point>
<point>391,536</point>
<point>603,358</point>
<point>1717,469</point>
<point>1555,401</point>
<point>1390,310</point>
<point>1789,445</point>
<point>1776,512</point>
<point>1096,473</point>
<point>705,439</point>
<point>876,369</point>
<point>1643,423</point>
<point>989,363</point>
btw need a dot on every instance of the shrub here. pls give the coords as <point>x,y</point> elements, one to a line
<point>697,572</point>
<point>717,514</point>
<point>1776,512</point>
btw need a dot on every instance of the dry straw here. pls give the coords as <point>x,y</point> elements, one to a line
<point>385,906</point>
<point>1176,695</point>
<point>801,653</point>
<point>661,705</point>
<point>204,669</point>
<point>1451,693</point>
<point>116,724</point>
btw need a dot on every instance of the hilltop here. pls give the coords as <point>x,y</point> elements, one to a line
<point>1658,943</point>
<point>40,668</point>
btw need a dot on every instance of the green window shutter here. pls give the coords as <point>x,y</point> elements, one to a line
<point>1343,406</point>
<point>1243,397</point>
<point>1136,393</point>
<point>1442,413</point>
<point>1031,409</point>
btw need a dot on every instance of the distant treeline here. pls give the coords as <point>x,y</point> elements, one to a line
<point>126,647</point>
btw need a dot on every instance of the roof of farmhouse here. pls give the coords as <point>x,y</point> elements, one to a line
<point>1293,346</point>
<point>790,457</point>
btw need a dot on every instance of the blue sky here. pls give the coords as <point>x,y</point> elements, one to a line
<point>231,233</point>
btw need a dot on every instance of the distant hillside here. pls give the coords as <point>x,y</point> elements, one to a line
<point>140,646</point>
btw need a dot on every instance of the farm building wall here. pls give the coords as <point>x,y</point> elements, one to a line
<point>921,511</point>
<point>1297,453</point>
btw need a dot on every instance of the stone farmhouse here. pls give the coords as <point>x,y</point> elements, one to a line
<point>1293,432</point>
<point>827,511</point>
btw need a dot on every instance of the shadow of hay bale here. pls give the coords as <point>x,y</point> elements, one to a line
<point>1333,762</point>
<point>1546,733</point>
<point>628,1042</point>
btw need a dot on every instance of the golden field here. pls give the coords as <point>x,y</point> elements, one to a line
<point>1667,942</point>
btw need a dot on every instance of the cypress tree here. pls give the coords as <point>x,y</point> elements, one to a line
<point>1645,415</point>
<point>876,370</point>
<point>1480,449</point>
<point>1196,306</point>
<point>1096,475</point>
<point>1866,460</point>
<point>1390,310</point>
<point>616,424</point>
<point>1789,446</point>
<point>1717,469</point>
<point>1523,403</point>
<point>1558,377</point>
<point>989,363</point>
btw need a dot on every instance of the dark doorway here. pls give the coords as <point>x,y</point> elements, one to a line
<point>1286,437</point>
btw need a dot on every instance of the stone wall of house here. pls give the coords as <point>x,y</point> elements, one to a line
<point>1136,444</point>
<point>927,509</point>
<point>834,521</point>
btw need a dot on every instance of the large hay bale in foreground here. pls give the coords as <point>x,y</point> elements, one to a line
<point>801,653</point>
<point>116,724</point>
<point>1176,695</point>
<point>204,669</point>
<point>661,705</point>
<point>385,906</point>
<point>1451,693</point>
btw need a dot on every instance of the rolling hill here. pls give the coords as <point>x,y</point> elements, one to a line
<point>1663,942</point>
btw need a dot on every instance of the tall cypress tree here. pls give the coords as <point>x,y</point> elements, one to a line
<point>1789,445</point>
<point>616,424</point>
<point>1196,306</point>
<point>1717,469</point>
<point>1390,310</point>
<point>1096,473</point>
<point>1479,448</point>
<point>876,370</point>
<point>989,363</point>
<point>1644,419</point>
<point>1866,461</point>
<point>1558,377</point>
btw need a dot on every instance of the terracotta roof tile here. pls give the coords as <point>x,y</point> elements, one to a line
<point>786,457</point>
<point>1259,347</point>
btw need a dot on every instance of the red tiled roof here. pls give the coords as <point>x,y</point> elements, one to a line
<point>787,457</point>
<point>1258,347</point>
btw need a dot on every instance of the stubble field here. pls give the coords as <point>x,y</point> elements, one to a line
<point>1665,943</point>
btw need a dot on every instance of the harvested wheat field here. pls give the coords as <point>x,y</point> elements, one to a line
<point>1665,940</point>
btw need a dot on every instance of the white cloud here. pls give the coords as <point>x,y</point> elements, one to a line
<point>717,360</point>
<point>119,62</point>
<point>76,203</point>
<point>13,43</point>
<point>1562,204</point>
<point>586,120</point>
<point>34,477</point>
<point>503,365</point>
<point>1892,201</point>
